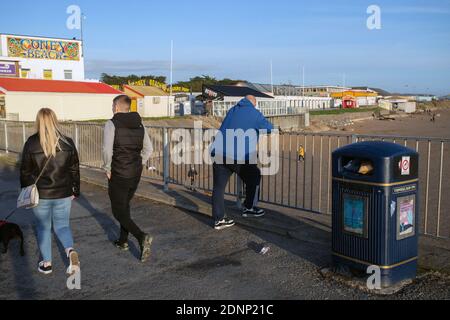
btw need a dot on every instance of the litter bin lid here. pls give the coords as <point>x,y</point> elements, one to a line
<point>376,162</point>
<point>375,149</point>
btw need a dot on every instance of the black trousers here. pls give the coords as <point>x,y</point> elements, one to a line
<point>249,173</point>
<point>121,191</point>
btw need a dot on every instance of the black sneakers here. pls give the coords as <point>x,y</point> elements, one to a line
<point>44,270</point>
<point>146,248</point>
<point>225,223</point>
<point>253,213</point>
<point>122,246</point>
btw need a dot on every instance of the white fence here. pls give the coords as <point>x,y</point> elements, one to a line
<point>278,107</point>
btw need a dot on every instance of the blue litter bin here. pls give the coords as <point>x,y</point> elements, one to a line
<point>375,209</point>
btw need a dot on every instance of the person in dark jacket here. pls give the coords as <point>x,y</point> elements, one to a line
<point>58,186</point>
<point>126,148</point>
<point>239,157</point>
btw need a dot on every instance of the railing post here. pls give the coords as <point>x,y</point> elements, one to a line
<point>166,160</point>
<point>6,137</point>
<point>24,134</point>
<point>77,140</point>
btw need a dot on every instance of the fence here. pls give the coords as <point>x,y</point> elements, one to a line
<point>267,108</point>
<point>299,184</point>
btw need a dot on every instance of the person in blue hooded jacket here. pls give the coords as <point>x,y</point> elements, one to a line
<point>235,151</point>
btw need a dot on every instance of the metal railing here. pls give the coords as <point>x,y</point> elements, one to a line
<point>303,184</point>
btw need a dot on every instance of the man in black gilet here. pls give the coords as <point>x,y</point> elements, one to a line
<point>126,149</point>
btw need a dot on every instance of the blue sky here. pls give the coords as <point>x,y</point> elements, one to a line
<point>237,39</point>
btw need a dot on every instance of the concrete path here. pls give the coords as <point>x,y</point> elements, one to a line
<point>190,260</point>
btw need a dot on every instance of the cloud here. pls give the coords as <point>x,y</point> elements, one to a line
<point>98,66</point>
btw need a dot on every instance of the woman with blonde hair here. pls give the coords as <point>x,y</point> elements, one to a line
<point>55,157</point>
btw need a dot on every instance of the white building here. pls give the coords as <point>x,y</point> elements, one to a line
<point>398,104</point>
<point>21,99</point>
<point>310,103</point>
<point>151,102</point>
<point>41,58</point>
<point>294,90</point>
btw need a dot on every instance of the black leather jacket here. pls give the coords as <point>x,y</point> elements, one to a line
<point>61,178</point>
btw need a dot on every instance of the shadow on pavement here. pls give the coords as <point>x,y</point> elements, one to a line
<point>293,235</point>
<point>21,266</point>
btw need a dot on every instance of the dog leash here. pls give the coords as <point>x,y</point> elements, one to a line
<point>10,214</point>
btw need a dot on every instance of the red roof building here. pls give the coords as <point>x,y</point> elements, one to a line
<point>71,100</point>
<point>56,86</point>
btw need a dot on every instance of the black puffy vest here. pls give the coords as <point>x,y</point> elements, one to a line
<point>128,145</point>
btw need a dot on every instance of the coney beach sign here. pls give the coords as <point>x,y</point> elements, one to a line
<point>32,48</point>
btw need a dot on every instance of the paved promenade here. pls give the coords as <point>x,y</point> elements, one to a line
<point>189,261</point>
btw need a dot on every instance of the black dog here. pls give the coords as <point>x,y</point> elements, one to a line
<point>8,232</point>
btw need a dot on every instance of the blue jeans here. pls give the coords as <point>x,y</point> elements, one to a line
<point>56,212</point>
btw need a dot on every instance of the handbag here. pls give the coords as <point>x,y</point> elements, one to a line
<point>29,196</point>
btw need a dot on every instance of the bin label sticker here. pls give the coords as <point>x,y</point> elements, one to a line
<point>405,189</point>
<point>406,217</point>
<point>405,166</point>
<point>354,214</point>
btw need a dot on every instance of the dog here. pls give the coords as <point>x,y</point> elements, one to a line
<point>10,231</point>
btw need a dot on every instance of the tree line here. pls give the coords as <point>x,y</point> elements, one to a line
<point>194,84</point>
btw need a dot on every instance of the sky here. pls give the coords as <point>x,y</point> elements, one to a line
<point>238,39</point>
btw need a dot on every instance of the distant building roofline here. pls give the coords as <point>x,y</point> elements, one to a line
<point>236,91</point>
<point>300,86</point>
<point>415,94</point>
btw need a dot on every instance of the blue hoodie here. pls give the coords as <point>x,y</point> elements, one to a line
<point>246,117</point>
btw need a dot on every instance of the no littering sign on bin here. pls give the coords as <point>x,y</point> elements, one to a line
<point>405,165</point>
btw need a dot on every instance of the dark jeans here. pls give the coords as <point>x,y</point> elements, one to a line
<point>249,173</point>
<point>121,191</point>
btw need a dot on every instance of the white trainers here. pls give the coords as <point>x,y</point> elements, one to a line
<point>225,223</point>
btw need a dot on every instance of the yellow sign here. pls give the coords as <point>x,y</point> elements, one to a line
<point>117,87</point>
<point>43,49</point>
<point>48,74</point>
<point>150,82</point>
<point>156,84</point>
<point>133,107</point>
<point>180,89</point>
<point>24,73</point>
